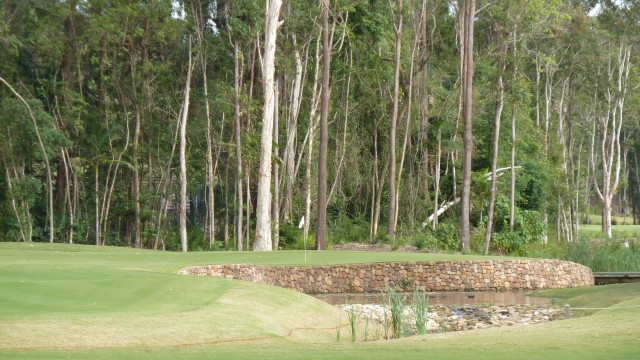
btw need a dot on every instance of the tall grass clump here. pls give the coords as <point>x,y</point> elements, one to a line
<point>419,302</point>
<point>605,255</point>
<point>397,311</point>
<point>598,254</point>
<point>352,325</point>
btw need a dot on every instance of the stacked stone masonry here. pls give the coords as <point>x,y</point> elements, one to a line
<point>497,275</point>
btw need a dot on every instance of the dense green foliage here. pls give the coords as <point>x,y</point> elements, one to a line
<point>105,81</point>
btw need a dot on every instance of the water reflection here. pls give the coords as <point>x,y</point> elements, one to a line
<point>442,298</point>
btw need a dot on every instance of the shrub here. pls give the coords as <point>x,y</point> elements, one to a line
<point>528,228</point>
<point>349,231</point>
<point>421,241</point>
<point>447,235</point>
<point>290,236</point>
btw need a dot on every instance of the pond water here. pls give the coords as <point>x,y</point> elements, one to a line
<point>441,298</point>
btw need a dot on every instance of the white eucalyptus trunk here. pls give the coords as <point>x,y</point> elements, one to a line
<point>263,208</point>
<point>391,218</point>
<point>313,122</point>
<point>469,14</point>
<point>436,181</point>
<point>292,126</point>
<point>494,164</point>
<point>610,128</point>
<point>275,204</point>
<point>183,158</point>
<point>238,138</point>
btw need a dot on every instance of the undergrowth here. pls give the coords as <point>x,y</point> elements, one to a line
<point>597,254</point>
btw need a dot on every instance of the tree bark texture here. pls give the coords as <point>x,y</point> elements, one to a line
<point>238,147</point>
<point>494,164</point>
<point>263,208</point>
<point>391,218</point>
<point>321,229</point>
<point>467,108</point>
<point>183,159</point>
<point>275,204</point>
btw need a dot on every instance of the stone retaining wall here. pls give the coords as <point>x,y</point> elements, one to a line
<point>493,275</point>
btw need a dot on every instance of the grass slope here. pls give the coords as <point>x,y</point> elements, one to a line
<point>61,301</point>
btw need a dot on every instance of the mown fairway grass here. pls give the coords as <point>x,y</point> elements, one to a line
<point>618,219</point>
<point>85,302</point>
<point>620,231</point>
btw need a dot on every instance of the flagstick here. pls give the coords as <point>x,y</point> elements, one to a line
<point>300,226</point>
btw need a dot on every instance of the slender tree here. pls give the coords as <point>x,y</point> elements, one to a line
<point>275,203</point>
<point>468,18</point>
<point>321,229</point>
<point>391,222</point>
<point>183,157</point>
<point>263,207</point>
<point>238,143</point>
<point>494,162</point>
<point>610,130</point>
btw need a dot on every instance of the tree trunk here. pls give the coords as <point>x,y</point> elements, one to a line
<point>407,127</point>
<point>67,172</point>
<point>96,189</point>
<point>424,124</point>
<point>238,138</point>
<point>310,135</point>
<point>307,176</point>
<point>391,218</point>
<point>575,210</point>
<point>275,208</point>
<point>436,181</point>
<point>263,212</point>
<point>226,201</point>
<point>606,217</point>
<point>637,188</point>
<point>345,128</point>
<point>377,186</point>
<point>210,233</point>
<point>167,174</point>
<point>21,216</point>
<point>494,163</point>
<point>512,197</point>
<point>549,71</point>
<point>321,229</point>
<point>292,126</point>
<point>136,181</point>
<point>183,159</point>
<point>610,133</point>
<point>378,201</point>
<point>248,202</point>
<point>467,75</point>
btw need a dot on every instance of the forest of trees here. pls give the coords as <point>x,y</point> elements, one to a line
<point>212,124</point>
